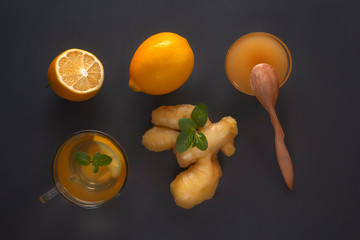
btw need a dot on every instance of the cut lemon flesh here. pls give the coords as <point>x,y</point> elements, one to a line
<point>76,75</point>
<point>115,165</point>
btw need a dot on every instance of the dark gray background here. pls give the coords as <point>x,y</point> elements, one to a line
<point>318,107</point>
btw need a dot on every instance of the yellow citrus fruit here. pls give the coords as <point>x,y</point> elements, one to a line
<point>161,64</point>
<point>76,75</point>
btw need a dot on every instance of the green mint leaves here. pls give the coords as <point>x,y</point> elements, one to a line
<point>189,136</point>
<point>200,114</point>
<point>187,126</point>
<point>183,141</point>
<point>95,168</point>
<point>201,141</point>
<point>82,158</point>
<point>98,160</point>
<point>101,160</point>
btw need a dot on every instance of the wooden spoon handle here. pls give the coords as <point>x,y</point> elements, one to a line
<point>282,153</point>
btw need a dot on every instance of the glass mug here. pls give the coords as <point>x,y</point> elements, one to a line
<point>79,184</point>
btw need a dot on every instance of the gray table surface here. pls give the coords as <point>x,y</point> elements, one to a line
<point>318,107</point>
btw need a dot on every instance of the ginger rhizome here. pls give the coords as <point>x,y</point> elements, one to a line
<point>200,180</point>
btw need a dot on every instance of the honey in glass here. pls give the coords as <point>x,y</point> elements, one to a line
<point>252,49</point>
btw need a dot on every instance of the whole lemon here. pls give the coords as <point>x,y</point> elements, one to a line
<point>161,64</point>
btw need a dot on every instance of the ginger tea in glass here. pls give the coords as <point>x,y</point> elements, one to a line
<point>79,184</point>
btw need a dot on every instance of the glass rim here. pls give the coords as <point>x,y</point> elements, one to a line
<point>57,183</point>
<point>283,45</point>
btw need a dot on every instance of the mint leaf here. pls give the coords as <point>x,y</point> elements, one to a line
<point>96,157</point>
<point>187,125</point>
<point>82,158</point>
<point>95,168</point>
<point>102,160</point>
<point>184,141</point>
<point>195,142</point>
<point>200,114</point>
<point>201,141</point>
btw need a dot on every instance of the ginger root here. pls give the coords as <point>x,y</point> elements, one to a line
<point>199,182</point>
<point>219,135</point>
<point>158,139</point>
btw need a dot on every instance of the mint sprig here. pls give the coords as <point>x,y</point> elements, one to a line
<point>189,135</point>
<point>98,160</point>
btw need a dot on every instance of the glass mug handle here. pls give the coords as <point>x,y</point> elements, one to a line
<point>48,195</point>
